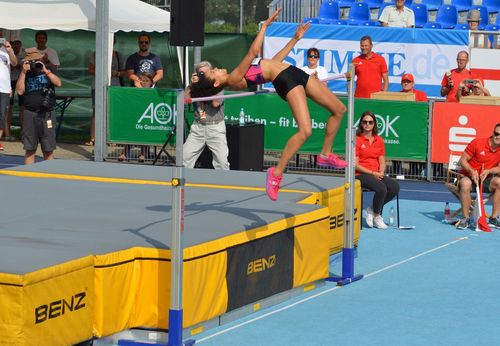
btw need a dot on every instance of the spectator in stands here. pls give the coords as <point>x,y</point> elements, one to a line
<point>208,127</point>
<point>451,79</point>
<point>313,68</point>
<point>408,83</point>
<point>144,62</point>
<point>50,57</point>
<point>471,87</point>
<point>7,59</point>
<point>370,69</point>
<point>477,40</point>
<point>36,82</point>
<point>481,161</point>
<point>370,168</point>
<point>117,72</point>
<point>398,16</point>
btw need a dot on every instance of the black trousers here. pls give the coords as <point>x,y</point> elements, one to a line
<point>385,190</point>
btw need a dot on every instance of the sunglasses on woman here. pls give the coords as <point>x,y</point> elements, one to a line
<point>367,122</point>
<point>312,56</point>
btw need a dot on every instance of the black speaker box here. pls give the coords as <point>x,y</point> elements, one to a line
<point>246,148</point>
<point>187,22</point>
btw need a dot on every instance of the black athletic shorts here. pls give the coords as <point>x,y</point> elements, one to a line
<point>39,127</point>
<point>288,79</point>
<point>486,184</point>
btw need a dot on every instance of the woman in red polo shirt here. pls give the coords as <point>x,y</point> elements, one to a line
<point>370,168</point>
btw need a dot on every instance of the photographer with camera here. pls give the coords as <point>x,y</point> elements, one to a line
<point>37,83</point>
<point>451,79</point>
<point>7,59</point>
<point>471,87</point>
<point>208,127</point>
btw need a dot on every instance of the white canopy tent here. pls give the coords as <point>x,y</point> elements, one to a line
<point>69,15</point>
<point>108,17</point>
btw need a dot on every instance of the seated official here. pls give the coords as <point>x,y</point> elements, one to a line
<point>370,169</point>
<point>481,161</point>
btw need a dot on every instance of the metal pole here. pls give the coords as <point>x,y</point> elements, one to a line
<point>178,183</point>
<point>348,251</point>
<point>101,78</point>
<point>241,16</point>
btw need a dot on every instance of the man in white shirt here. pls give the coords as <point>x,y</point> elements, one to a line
<point>7,59</point>
<point>50,57</point>
<point>313,68</point>
<point>398,16</point>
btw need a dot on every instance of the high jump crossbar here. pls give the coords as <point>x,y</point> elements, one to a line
<point>251,93</point>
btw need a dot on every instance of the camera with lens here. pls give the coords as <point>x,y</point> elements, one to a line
<point>200,74</point>
<point>469,85</point>
<point>35,65</point>
<point>47,99</point>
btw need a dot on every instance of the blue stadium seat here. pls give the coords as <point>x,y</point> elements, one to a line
<point>328,11</point>
<point>311,20</point>
<point>492,27</point>
<point>338,22</point>
<point>492,5</point>
<point>484,16</point>
<point>346,3</point>
<point>432,5</point>
<point>462,5</point>
<point>421,15</point>
<point>408,3</point>
<point>432,26</point>
<point>373,4</point>
<point>359,13</point>
<point>370,23</point>
<point>447,16</point>
<point>462,26</point>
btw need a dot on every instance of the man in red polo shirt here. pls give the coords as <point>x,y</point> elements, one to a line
<point>370,69</point>
<point>451,79</point>
<point>481,160</point>
<point>407,83</point>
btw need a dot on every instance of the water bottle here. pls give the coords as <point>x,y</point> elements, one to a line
<point>447,211</point>
<point>242,117</point>
<point>391,217</point>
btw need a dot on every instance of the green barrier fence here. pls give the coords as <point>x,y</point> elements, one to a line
<point>146,116</point>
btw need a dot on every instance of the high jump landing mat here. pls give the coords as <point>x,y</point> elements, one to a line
<point>85,246</point>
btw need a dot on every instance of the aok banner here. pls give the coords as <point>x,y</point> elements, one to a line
<point>403,125</point>
<point>141,116</point>
<point>148,116</point>
<point>455,125</point>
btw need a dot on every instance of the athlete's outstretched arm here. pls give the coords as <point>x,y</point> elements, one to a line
<point>237,74</point>
<point>301,30</point>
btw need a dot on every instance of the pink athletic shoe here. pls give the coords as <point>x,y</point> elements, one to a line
<point>272,184</point>
<point>332,161</point>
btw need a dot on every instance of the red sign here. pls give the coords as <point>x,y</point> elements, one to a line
<point>454,125</point>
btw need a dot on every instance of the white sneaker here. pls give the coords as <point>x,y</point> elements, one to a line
<point>369,217</point>
<point>378,222</point>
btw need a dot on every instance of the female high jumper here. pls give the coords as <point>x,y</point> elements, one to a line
<point>291,84</point>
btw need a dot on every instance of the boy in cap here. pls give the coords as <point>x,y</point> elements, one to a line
<point>408,83</point>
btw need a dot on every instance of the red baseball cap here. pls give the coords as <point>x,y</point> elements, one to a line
<point>408,76</point>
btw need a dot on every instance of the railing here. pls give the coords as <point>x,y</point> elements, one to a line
<point>294,11</point>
